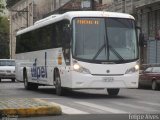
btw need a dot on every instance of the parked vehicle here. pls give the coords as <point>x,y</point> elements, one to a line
<point>7,69</point>
<point>150,77</point>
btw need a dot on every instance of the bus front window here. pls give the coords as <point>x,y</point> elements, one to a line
<point>104,39</point>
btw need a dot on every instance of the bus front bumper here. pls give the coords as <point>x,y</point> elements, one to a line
<point>80,80</point>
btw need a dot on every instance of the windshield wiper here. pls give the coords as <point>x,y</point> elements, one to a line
<point>99,51</point>
<point>116,53</point>
<point>107,47</point>
<point>111,48</point>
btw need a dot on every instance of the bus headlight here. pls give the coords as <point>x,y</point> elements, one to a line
<point>132,70</point>
<point>80,69</point>
<point>76,66</point>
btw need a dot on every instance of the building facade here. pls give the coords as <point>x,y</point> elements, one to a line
<point>148,17</point>
<point>148,13</point>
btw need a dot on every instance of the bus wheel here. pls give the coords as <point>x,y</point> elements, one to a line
<point>113,91</point>
<point>58,84</point>
<point>25,79</point>
<point>13,80</point>
<point>27,85</point>
<point>154,85</point>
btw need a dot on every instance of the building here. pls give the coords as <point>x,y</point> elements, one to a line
<point>148,17</point>
<point>148,13</point>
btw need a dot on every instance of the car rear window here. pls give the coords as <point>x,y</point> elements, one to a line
<point>156,69</point>
<point>148,69</point>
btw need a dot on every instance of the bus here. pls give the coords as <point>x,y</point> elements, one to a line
<point>79,50</point>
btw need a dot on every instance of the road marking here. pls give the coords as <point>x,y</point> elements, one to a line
<point>149,103</point>
<point>50,98</point>
<point>134,106</point>
<point>70,110</point>
<point>108,109</point>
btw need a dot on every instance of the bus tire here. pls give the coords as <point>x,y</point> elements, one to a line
<point>27,85</point>
<point>154,85</point>
<point>59,89</point>
<point>13,79</point>
<point>113,91</point>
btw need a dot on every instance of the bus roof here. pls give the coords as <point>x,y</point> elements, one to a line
<point>73,14</point>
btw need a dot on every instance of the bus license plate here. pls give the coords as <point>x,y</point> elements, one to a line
<point>108,79</point>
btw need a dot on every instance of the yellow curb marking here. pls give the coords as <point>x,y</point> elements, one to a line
<point>45,108</point>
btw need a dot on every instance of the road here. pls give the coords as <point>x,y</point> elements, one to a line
<point>89,104</point>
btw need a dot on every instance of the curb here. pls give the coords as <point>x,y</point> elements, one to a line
<point>34,107</point>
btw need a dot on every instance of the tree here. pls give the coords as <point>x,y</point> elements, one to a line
<point>2,7</point>
<point>4,37</point>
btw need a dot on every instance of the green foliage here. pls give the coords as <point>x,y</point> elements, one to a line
<point>4,37</point>
<point>4,25</point>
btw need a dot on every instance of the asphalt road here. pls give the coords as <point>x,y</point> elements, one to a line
<point>130,104</point>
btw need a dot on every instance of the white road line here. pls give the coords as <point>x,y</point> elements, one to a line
<point>134,106</point>
<point>149,103</point>
<point>104,108</point>
<point>70,110</point>
<point>49,98</point>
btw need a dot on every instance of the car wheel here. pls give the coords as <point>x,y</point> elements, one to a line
<point>59,90</point>
<point>113,91</point>
<point>154,85</point>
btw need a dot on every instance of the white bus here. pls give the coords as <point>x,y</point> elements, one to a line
<point>79,50</point>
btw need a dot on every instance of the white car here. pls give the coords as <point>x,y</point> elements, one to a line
<point>7,69</point>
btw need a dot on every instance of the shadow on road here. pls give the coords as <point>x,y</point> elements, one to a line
<point>7,81</point>
<point>78,94</point>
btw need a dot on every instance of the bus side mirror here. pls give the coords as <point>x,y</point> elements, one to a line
<point>140,37</point>
<point>67,34</point>
<point>141,40</point>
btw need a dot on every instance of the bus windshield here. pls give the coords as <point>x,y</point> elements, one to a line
<point>104,39</point>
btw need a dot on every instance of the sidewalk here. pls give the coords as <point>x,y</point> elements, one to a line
<point>28,107</point>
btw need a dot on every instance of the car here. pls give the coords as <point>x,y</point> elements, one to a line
<point>7,69</point>
<point>150,77</point>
